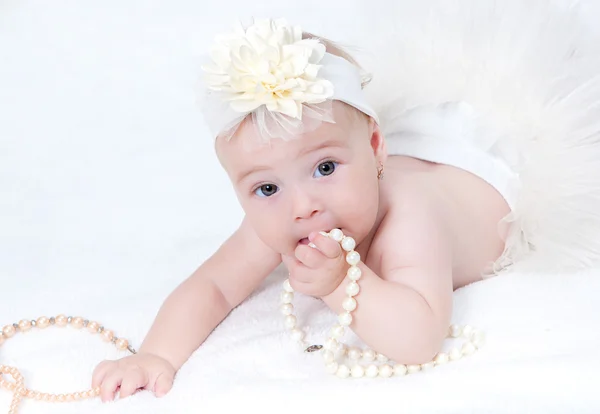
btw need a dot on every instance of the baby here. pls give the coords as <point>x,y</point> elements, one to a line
<point>305,153</point>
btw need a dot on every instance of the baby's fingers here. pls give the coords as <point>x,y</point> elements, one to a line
<point>110,384</point>
<point>163,384</point>
<point>133,380</point>
<point>100,372</point>
<point>329,247</point>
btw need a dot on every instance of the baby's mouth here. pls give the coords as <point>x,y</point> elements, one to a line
<point>303,241</point>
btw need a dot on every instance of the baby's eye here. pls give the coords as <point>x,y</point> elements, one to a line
<point>266,190</point>
<point>326,168</point>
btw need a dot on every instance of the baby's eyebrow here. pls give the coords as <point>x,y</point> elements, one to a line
<point>252,170</point>
<point>321,145</point>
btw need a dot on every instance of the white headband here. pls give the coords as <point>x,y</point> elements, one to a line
<point>286,83</point>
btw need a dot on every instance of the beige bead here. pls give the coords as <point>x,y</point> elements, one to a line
<point>61,320</point>
<point>108,335</point>
<point>455,331</point>
<point>77,322</point>
<point>42,322</point>
<point>121,344</point>
<point>385,371</point>
<point>93,327</point>
<point>441,358</point>
<point>400,370</point>
<point>9,331</point>
<point>411,369</point>
<point>455,354</point>
<point>428,365</point>
<point>467,331</point>
<point>468,348</point>
<point>24,325</point>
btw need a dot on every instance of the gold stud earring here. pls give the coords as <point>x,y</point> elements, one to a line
<point>380,171</point>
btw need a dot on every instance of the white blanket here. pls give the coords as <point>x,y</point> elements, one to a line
<point>111,196</point>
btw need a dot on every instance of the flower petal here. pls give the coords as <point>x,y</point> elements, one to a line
<point>290,108</point>
<point>244,105</point>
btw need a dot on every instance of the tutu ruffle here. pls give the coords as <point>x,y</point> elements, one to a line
<point>532,71</point>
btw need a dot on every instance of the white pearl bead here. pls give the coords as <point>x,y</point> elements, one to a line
<point>478,338</point>
<point>441,358</point>
<point>468,348</point>
<point>372,371</point>
<point>400,370</point>
<point>336,234</point>
<point>337,331</point>
<point>348,244</point>
<point>354,273</point>
<point>340,351</point>
<point>467,331</point>
<point>331,344</point>
<point>354,353</point>
<point>343,371</point>
<point>427,365</point>
<point>455,354</point>
<point>328,356</point>
<point>368,355</point>
<point>411,369</point>
<point>290,321</point>
<point>357,371</point>
<point>287,287</point>
<point>381,358</point>
<point>345,319</point>
<point>455,331</point>
<point>331,368</point>
<point>352,289</point>
<point>297,334</point>
<point>287,297</point>
<point>385,371</point>
<point>287,309</point>
<point>352,258</point>
<point>349,304</point>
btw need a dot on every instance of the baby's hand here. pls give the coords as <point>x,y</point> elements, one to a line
<point>139,371</point>
<point>318,270</point>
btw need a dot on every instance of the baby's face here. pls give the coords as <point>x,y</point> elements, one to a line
<point>325,179</point>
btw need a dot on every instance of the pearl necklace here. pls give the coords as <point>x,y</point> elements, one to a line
<point>18,388</point>
<point>335,351</point>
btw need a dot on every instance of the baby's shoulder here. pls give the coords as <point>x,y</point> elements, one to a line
<point>413,231</point>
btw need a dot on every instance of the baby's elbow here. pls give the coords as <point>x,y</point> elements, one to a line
<point>421,349</point>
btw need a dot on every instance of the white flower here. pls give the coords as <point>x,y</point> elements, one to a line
<point>268,64</point>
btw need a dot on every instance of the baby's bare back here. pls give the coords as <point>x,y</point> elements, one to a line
<point>469,210</point>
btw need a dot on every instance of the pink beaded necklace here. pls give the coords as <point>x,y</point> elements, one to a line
<point>17,386</point>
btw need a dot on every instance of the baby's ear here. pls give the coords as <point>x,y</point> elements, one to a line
<point>377,141</point>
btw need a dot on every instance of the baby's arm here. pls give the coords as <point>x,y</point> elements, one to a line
<point>189,314</point>
<point>404,313</point>
<point>202,301</point>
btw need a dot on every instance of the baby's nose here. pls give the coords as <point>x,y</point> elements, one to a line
<point>305,207</point>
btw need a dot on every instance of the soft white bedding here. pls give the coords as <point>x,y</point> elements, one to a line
<point>110,195</point>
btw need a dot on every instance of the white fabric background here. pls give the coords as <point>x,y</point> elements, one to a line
<point>110,195</point>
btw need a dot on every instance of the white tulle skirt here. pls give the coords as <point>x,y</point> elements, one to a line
<point>516,81</point>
